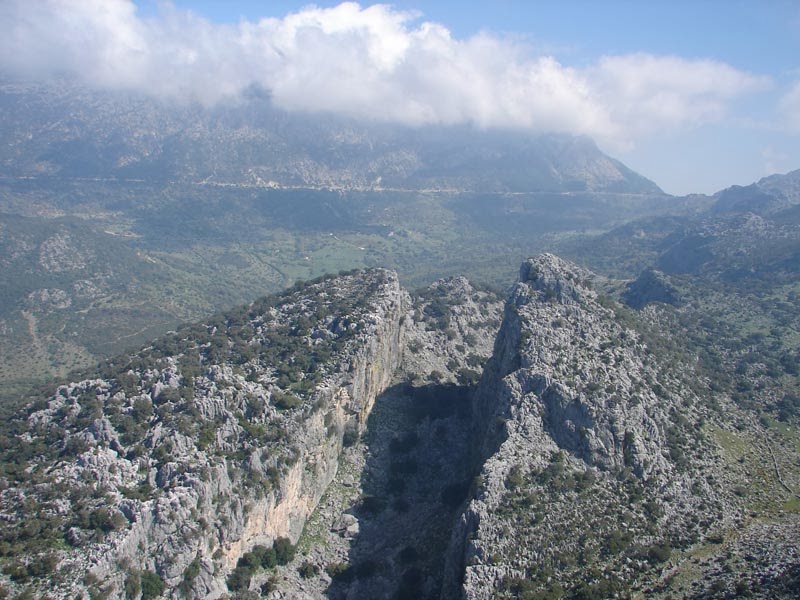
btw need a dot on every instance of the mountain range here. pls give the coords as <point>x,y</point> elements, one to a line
<point>118,212</point>
<point>269,354</point>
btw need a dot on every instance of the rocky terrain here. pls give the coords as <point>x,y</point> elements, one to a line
<point>175,462</point>
<point>121,216</point>
<point>347,440</point>
<point>601,465</point>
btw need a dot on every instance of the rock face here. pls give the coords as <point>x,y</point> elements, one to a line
<point>587,446</point>
<point>223,437</point>
<point>382,529</point>
<point>376,434</point>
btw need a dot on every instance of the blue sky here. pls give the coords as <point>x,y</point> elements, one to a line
<point>694,95</point>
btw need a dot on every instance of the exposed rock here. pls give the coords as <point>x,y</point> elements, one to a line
<point>256,456</point>
<point>347,419</point>
<point>59,253</point>
<point>585,440</point>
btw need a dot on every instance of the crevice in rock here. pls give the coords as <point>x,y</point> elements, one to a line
<point>416,477</point>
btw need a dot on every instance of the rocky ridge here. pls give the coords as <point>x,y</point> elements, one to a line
<point>222,437</point>
<point>368,441</point>
<point>596,460</point>
<point>383,527</point>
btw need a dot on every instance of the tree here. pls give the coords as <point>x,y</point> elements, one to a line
<point>284,551</point>
<point>152,585</point>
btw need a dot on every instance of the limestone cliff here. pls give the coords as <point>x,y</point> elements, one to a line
<point>586,458</point>
<point>181,459</point>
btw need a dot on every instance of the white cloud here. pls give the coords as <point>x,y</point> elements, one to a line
<point>656,93</point>
<point>376,62</point>
<point>790,107</point>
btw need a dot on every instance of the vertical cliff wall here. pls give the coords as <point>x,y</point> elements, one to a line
<point>218,438</point>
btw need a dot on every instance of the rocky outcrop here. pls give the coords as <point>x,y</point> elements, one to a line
<point>587,460</point>
<point>384,523</point>
<point>452,332</point>
<point>192,455</point>
<point>584,438</point>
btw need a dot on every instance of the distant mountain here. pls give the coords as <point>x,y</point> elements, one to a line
<point>788,185</point>
<point>204,208</point>
<point>66,131</point>
<point>768,196</point>
<point>741,233</point>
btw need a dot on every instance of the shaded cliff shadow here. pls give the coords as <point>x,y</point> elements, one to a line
<point>416,477</point>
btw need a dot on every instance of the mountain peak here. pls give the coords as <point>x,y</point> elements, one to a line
<point>555,278</point>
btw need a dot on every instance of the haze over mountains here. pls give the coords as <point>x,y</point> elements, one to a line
<point>629,429</point>
<point>67,131</point>
<point>172,192</point>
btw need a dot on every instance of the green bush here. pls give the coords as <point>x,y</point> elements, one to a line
<point>265,556</point>
<point>133,586</point>
<point>340,572</point>
<point>284,550</point>
<point>659,553</point>
<point>239,579</point>
<point>152,585</point>
<point>308,570</point>
<point>286,401</point>
<point>191,572</point>
<point>350,437</point>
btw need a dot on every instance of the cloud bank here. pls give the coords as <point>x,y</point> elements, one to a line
<point>374,62</point>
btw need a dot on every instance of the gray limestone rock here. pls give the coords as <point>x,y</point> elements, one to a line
<point>573,414</point>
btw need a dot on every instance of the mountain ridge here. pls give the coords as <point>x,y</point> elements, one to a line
<point>252,143</point>
<point>188,460</point>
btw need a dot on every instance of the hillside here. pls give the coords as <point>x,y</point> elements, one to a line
<point>335,441</point>
<point>180,211</point>
<point>66,132</point>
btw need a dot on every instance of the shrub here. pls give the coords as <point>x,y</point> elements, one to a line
<point>269,586</point>
<point>340,571</point>
<point>191,572</point>
<point>250,561</point>
<point>133,586</point>
<point>286,401</point>
<point>152,585</point>
<point>468,376</point>
<point>515,478</point>
<point>239,579</point>
<point>659,553</point>
<point>308,570</point>
<point>284,551</point>
<point>350,437</point>
<point>266,557</point>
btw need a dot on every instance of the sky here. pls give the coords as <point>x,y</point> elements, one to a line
<point>696,95</point>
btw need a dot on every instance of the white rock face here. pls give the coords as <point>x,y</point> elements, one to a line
<point>181,459</point>
<point>573,416</point>
<point>221,464</point>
